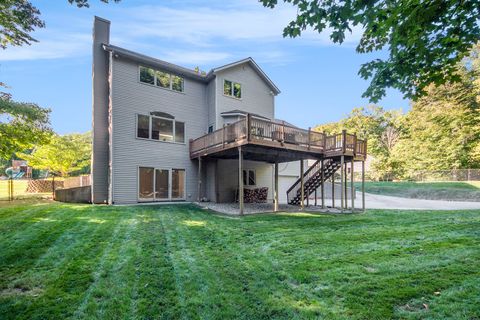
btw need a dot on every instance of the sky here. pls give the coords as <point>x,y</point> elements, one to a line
<point>319,80</point>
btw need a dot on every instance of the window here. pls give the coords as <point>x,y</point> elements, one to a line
<point>143,126</point>
<point>249,177</point>
<point>177,83</point>
<point>178,183</point>
<point>147,75</point>
<point>161,184</point>
<point>161,129</point>
<point>145,183</point>
<point>232,89</point>
<point>210,129</point>
<point>179,131</point>
<point>161,79</point>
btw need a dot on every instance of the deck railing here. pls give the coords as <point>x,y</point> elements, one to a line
<point>254,129</point>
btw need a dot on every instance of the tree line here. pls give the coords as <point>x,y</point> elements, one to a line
<point>441,131</point>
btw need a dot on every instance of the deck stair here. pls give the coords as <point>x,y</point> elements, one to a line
<point>312,179</point>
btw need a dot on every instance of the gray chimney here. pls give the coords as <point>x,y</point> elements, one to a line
<point>100,123</point>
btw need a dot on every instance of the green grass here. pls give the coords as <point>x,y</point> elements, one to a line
<point>62,261</point>
<point>461,191</point>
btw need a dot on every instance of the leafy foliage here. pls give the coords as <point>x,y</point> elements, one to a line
<point>425,39</point>
<point>22,125</point>
<point>18,18</point>
<point>64,155</point>
<point>440,132</point>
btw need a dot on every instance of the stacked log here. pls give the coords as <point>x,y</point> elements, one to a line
<point>257,195</point>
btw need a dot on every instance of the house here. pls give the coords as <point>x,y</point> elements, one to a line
<point>162,132</point>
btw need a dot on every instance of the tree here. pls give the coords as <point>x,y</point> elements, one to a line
<point>425,39</point>
<point>381,128</point>
<point>63,155</point>
<point>22,125</point>
<point>443,127</point>
<point>18,18</point>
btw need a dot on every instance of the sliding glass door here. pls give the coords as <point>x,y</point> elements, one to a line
<point>161,184</point>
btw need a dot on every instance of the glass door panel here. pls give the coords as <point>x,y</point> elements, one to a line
<point>145,181</point>
<point>161,184</point>
<point>178,184</point>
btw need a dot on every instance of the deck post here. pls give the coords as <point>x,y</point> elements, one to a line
<point>309,135</point>
<point>346,185</point>
<point>302,187</point>
<point>199,190</point>
<point>316,197</point>
<point>323,184</point>
<point>249,122</point>
<point>352,189</point>
<point>223,136</point>
<point>275,196</point>
<point>344,141</point>
<point>333,190</point>
<point>363,185</point>
<point>240,180</point>
<point>342,173</point>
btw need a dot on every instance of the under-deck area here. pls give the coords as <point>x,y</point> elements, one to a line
<point>252,138</point>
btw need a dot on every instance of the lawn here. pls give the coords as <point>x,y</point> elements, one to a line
<point>462,191</point>
<point>145,262</point>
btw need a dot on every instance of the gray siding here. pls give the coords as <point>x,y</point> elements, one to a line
<point>211,104</point>
<point>256,94</point>
<point>130,97</point>
<point>100,123</point>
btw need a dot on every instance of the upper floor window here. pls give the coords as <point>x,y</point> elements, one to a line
<point>161,129</point>
<point>232,89</point>
<point>161,79</point>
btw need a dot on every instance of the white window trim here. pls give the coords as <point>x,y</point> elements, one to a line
<point>170,198</point>
<point>150,129</point>
<point>232,95</point>
<point>170,88</point>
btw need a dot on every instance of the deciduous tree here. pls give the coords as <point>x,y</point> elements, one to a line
<point>425,39</point>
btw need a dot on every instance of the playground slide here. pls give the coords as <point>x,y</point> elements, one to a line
<point>14,174</point>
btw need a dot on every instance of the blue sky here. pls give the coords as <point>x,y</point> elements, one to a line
<point>318,79</point>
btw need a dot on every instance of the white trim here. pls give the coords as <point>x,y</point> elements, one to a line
<point>248,182</point>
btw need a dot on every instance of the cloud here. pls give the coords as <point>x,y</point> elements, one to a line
<point>60,45</point>
<point>195,34</point>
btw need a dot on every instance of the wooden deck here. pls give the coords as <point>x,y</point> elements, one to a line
<point>270,141</point>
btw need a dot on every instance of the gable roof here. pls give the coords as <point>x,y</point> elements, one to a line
<point>189,73</point>
<point>254,66</point>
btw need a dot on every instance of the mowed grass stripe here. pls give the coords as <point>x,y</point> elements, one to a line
<point>154,262</point>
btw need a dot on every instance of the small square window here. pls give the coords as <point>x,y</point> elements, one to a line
<point>210,129</point>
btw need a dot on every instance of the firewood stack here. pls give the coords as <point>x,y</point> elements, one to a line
<point>257,195</point>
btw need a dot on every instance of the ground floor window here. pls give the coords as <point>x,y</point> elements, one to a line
<point>249,178</point>
<point>161,184</point>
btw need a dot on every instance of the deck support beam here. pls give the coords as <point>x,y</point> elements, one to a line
<point>323,185</point>
<point>199,187</point>
<point>240,180</point>
<point>333,190</point>
<point>275,195</point>
<point>346,185</point>
<point>302,187</point>
<point>363,185</point>
<point>342,173</point>
<point>352,186</point>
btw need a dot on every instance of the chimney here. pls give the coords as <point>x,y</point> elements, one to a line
<point>100,122</point>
